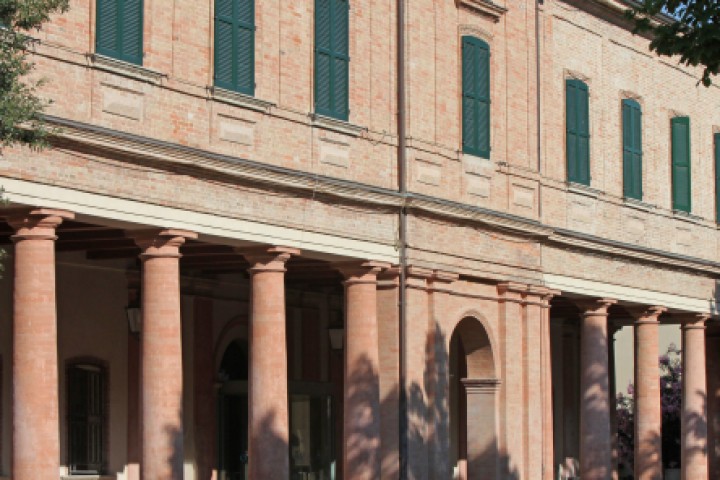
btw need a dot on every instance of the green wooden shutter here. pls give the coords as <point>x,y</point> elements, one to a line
<point>632,149</point>
<point>680,127</point>
<point>717,177</point>
<point>235,45</point>
<point>332,60</point>
<point>476,97</point>
<point>577,131</point>
<point>119,31</point>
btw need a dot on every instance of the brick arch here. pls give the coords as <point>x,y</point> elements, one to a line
<point>235,329</point>
<point>477,346</point>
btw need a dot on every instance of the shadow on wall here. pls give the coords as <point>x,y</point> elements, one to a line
<point>431,434</point>
<point>175,461</point>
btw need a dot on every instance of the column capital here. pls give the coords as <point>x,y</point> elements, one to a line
<point>512,290</point>
<point>361,271</point>
<point>268,259</point>
<point>479,386</point>
<point>592,307</point>
<point>644,314</point>
<point>418,277</point>
<point>164,242</point>
<point>389,278</point>
<point>35,223</point>
<point>693,321</point>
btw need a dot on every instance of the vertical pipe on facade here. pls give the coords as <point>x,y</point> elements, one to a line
<point>537,103</point>
<point>402,234</point>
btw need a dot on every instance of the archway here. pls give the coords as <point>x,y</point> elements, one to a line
<point>233,412</point>
<point>473,388</point>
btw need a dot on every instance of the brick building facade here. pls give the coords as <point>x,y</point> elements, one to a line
<point>355,247</point>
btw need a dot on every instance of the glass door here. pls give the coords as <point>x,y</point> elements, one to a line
<point>311,438</point>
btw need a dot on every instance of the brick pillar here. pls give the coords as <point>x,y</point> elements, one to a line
<point>361,432</point>
<point>389,345</point>
<point>693,429</point>
<point>595,441</point>
<point>712,349</point>
<point>36,435</point>
<point>161,362</point>
<point>612,395</point>
<point>416,360</point>
<point>648,414</point>
<point>548,463</point>
<point>268,436</point>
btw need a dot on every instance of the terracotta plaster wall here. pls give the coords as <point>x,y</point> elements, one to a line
<point>92,324</point>
<point>617,65</point>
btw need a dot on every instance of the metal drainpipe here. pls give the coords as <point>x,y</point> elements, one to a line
<point>539,97</point>
<point>402,234</point>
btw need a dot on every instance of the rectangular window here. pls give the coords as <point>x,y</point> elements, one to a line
<point>120,30</point>
<point>235,45</point>
<point>476,97</point>
<point>680,128</point>
<point>632,149</point>
<point>86,418</point>
<point>717,177</point>
<point>577,131</point>
<point>332,59</point>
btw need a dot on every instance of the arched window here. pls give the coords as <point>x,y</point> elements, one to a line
<point>577,134</point>
<point>87,417</point>
<point>475,97</point>
<point>632,149</point>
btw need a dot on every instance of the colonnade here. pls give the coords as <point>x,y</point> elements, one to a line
<point>35,366</point>
<point>596,444</point>
<point>36,442</point>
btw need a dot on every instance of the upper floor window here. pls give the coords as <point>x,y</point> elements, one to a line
<point>235,45</point>
<point>119,31</point>
<point>577,131</point>
<point>717,177</point>
<point>86,408</point>
<point>475,97</point>
<point>332,59</point>
<point>680,132</point>
<point>632,149</point>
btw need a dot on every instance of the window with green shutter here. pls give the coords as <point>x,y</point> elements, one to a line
<point>632,149</point>
<point>332,59</point>
<point>717,177</point>
<point>120,30</point>
<point>577,131</point>
<point>680,132</point>
<point>235,45</point>
<point>475,97</point>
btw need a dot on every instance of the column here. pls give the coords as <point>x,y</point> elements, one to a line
<point>595,442</point>
<point>417,335</point>
<point>161,373</point>
<point>648,414</point>
<point>389,345</point>
<point>712,347</point>
<point>612,395</point>
<point>693,429</point>
<point>268,436</point>
<point>547,387</point>
<point>361,432</point>
<point>36,435</point>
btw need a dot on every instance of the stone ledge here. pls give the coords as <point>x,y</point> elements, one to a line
<point>485,7</point>
<point>638,204</point>
<point>112,65</point>
<point>582,189</point>
<point>687,217</point>
<point>336,125</point>
<point>240,99</point>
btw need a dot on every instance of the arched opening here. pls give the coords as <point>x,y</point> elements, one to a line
<point>473,387</point>
<point>233,412</point>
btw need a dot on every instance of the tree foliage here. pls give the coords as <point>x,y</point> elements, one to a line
<point>694,35</point>
<point>20,106</point>
<point>670,365</point>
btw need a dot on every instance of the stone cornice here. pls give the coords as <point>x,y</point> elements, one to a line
<point>156,152</point>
